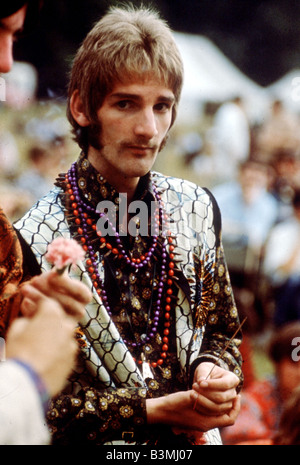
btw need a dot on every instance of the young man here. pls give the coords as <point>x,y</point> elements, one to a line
<point>163,312</point>
<point>40,347</point>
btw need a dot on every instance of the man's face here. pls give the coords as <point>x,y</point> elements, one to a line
<point>135,118</point>
<point>10,27</point>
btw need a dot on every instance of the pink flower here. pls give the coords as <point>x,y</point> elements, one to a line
<point>63,252</point>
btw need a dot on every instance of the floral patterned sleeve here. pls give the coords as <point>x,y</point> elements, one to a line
<point>97,416</point>
<point>222,319</point>
<point>221,323</point>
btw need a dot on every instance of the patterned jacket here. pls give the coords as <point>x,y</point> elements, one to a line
<point>206,314</point>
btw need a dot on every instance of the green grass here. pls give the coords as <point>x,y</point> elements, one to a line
<point>261,363</point>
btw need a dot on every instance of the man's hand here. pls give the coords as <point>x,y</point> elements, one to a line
<point>212,403</point>
<point>177,410</point>
<point>214,390</point>
<point>46,342</point>
<point>71,294</point>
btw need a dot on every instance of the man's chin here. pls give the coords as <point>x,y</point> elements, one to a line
<point>140,166</point>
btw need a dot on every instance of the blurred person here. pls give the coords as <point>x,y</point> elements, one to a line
<point>40,346</point>
<point>41,351</point>
<point>286,171</point>
<point>262,402</point>
<point>16,17</point>
<point>279,131</point>
<point>249,210</point>
<point>34,180</point>
<point>288,433</point>
<point>9,155</point>
<point>52,132</point>
<point>229,139</point>
<point>12,19</point>
<point>45,159</point>
<point>12,23</point>
<point>285,164</point>
<point>163,311</point>
<point>281,265</point>
<point>13,202</point>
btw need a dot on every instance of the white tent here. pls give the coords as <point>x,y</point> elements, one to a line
<point>211,77</point>
<point>287,89</point>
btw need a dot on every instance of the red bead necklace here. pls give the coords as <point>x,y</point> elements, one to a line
<point>84,224</point>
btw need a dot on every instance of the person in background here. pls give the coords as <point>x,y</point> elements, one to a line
<point>35,180</point>
<point>279,131</point>
<point>41,351</point>
<point>40,346</point>
<point>230,139</point>
<point>262,402</point>
<point>249,211</point>
<point>289,426</point>
<point>281,265</point>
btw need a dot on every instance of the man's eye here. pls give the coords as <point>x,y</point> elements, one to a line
<point>123,104</point>
<point>162,106</point>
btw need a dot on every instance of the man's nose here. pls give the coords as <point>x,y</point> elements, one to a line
<point>6,54</point>
<point>147,124</point>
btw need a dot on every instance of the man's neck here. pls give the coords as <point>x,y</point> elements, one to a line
<point>122,183</point>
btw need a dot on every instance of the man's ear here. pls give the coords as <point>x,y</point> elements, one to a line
<point>76,108</point>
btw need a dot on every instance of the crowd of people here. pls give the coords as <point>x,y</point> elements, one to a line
<point>257,190</point>
<point>28,170</point>
<point>159,349</point>
<point>259,203</point>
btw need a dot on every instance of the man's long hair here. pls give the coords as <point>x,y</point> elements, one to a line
<point>125,43</point>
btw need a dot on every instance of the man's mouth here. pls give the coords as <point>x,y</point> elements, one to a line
<point>141,148</point>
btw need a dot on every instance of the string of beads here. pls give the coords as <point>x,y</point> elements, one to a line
<point>84,214</point>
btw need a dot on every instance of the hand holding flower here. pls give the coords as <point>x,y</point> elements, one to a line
<point>72,294</point>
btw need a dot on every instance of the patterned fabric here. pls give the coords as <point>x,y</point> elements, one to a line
<point>107,392</point>
<point>10,272</point>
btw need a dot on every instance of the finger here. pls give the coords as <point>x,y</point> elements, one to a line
<point>71,294</point>
<point>72,307</point>
<point>31,297</point>
<point>50,283</point>
<point>74,288</point>
<point>228,418</point>
<point>31,292</point>
<point>216,396</point>
<point>28,308</point>
<point>222,383</point>
<point>207,406</point>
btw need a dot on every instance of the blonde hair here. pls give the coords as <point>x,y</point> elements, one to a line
<point>126,43</point>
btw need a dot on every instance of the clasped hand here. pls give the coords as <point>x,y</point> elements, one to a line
<point>212,402</point>
<point>214,393</point>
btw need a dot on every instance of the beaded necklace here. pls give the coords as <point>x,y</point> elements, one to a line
<point>84,214</point>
